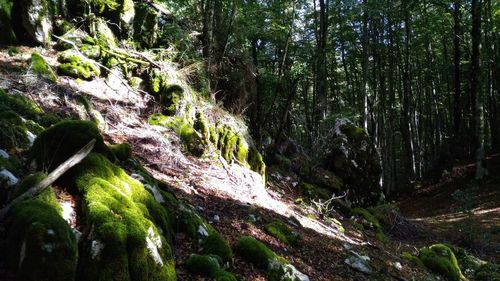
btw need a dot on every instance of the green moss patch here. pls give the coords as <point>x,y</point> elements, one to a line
<point>208,265</point>
<point>43,246</point>
<point>77,66</point>
<point>61,141</point>
<point>441,259</point>
<point>40,67</point>
<point>215,244</point>
<point>282,232</point>
<point>122,151</point>
<point>13,132</point>
<point>130,229</point>
<point>313,192</point>
<point>255,252</point>
<point>488,272</point>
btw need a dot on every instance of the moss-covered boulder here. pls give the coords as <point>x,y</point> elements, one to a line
<point>13,132</point>
<point>6,30</point>
<point>61,141</point>
<point>40,67</point>
<point>129,230</point>
<point>42,246</point>
<point>282,232</point>
<point>76,65</point>
<point>208,265</point>
<point>276,267</point>
<point>215,244</point>
<point>33,20</point>
<point>441,259</point>
<point>184,128</point>
<point>353,157</point>
<point>122,151</point>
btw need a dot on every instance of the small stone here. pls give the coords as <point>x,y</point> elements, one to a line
<point>216,218</point>
<point>398,266</point>
<point>4,154</point>
<point>8,177</point>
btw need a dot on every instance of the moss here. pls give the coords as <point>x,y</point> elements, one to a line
<point>440,258</point>
<point>6,30</point>
<point>12,131</point>
<point>135,82</point>
<point>254,251</point>
<point>91,51</point>
<point>223,275</point>
<point>488,272</point>
<point>146,25</point>
<point>126,222</point>
<point>314,192</point>
<point>192,224</point>
<point>122,151</point>
<point>104,34</point>
<point>282,232</point>
<point>256,161</point>
<point>37,230</point>
<point>28,182</point>
<point>22,106</point>
<point>201,125</point>
<point>170,97</point>
<point>184,128</point>
<point>413,260</point>
<point>370,220</point>
<point>77,66</point>
<point>241,150</point>
<point>215,244</point>
<point>40,67</point>
<point>203,265</point>
<point>34,127</point>
<point>61,141</point>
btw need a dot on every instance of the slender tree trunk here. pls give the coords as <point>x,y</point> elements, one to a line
<point>321,87</point>
<point>457,106</point>
<point>475,88</point>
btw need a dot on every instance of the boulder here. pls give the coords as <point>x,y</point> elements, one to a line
<point>7,34</point>
<point>33,20</point>
<point>353,157</point>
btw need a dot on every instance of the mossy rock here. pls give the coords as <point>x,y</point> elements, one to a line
<point>441,259</point>
<point>77,66</point>
<point>13,132</point>
<point>256,161</point>
<point>61,141</point>
<point>130,229</point>
<point>33,20</point>
<point>314,192</point>
<point>215,244</point>
<point>122,151</point>
<point>40,67</point>
<point>192,224</point>
<point>170,97</point>
<point>25,107</point>
<point>370,222</point>
<point>104,34</point>
<point>146,25</point>
<point>184,128</point>
<point>42,245</point>
<point>255,252</point>
<point>282,232</point>
<point>202,127</point>
<point>207,265</point>
<point>488,272</point>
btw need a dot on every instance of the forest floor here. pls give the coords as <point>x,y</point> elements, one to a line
<point>460,210</point>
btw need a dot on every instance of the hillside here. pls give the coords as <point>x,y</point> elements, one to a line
<point>178,185</point>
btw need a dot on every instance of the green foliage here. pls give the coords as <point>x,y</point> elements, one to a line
<point>255,252</point>
<point>413,260</point>
<point>61,141</point>
<point>215,244</point>
<point>42,245</point>
<point>441,259</point>
<point>40,67</point>
<point>282,232</point>
<point>126,222</point>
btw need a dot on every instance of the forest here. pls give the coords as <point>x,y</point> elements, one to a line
<point>230,140</point>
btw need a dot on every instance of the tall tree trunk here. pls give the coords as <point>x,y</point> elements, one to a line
<point>321,87</point>
<point>457,107</point>
<point>475,88</point>
<point>208,25</point>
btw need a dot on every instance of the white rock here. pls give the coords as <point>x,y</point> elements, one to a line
<point>202,230</point>
<point>31,137</point>
<point>49,248</point>
<point>68,212</point>
<point>398,265</point>
<point>8,177</point>
<point>156,193</point>
<point>96,248</point>
<point>153,243</point>
<point>4,154</point>
<point>137,177</point>
<point>359,263</point>
<point>216,218</point>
